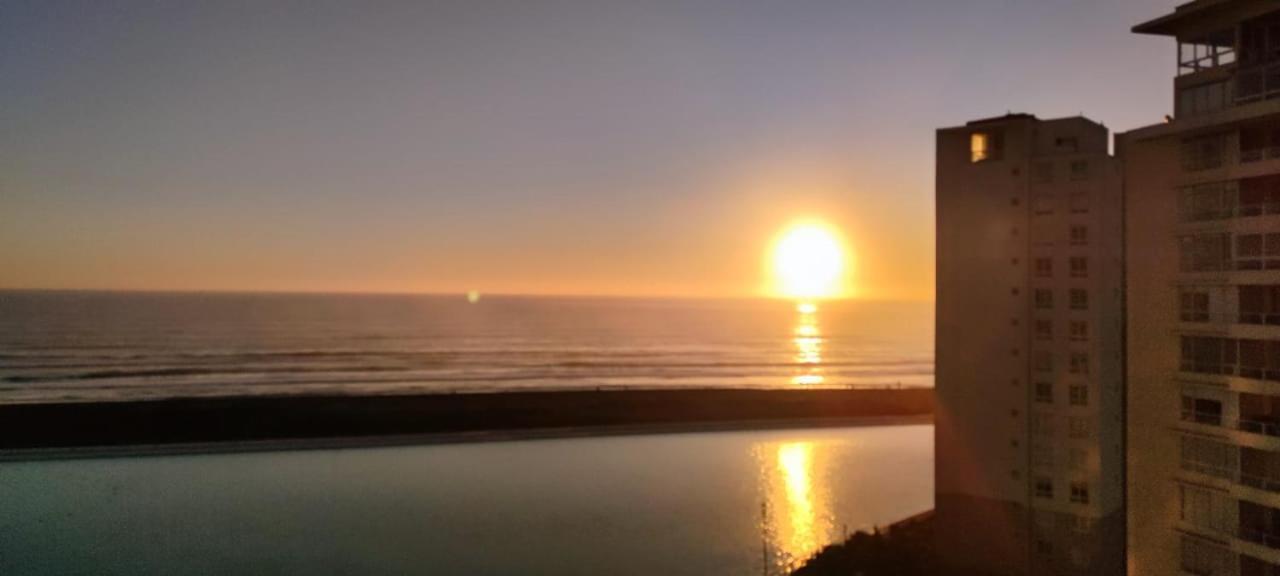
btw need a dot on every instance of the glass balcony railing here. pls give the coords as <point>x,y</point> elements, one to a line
<point>1249,318</point>
<point>1257,82</point>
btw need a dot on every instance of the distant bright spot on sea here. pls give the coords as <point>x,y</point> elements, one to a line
<point>473,296</point>
<point>806,307</point>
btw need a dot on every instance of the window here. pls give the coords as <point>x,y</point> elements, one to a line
<point>1044,488</point>
<point>1079,267</point>
<point>1068,144</point>
<point>1079,428</point>
<point>1079,363</point>
<point>1259,304</point>
<point>1080,492</point>
<point>1213,355</point>
<point>1044,548</point>
<point>1079,299</point>
<point>1203,99</point>
<point>1204,152</point>
<point>1195,306</point>
<point>1043,204</point>
<point>1044,299</point>
<point>1079,169</point>
<point>1044,329</point>
<point>1043,361</point>
<point>985,146</point>
<point>1202,557</point>
<point>1201,410</point>
<point>1205,253</point>
<point>1207,456</point>
<point>1081,523</point>
<point>1258,196</point>
<point>1043,172</point>
<point>1044,392</point>
<point>1044,268</point>
<point>1257,251</point>
<point>1079,394</point>
<point>1079,235</point>
<point>1206,509</point>
<point>1079,331</point>
<point>1203,202</point>
<point>1205,52</point>
<point>1079,203</point>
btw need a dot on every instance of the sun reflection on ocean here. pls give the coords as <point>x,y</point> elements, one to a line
<point>797,508</point>
<point>808,342</point>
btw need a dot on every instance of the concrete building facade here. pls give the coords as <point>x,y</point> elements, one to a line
<point>1202,227</point>
<point>1029,432</point>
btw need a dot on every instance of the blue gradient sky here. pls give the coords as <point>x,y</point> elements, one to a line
<point>598,147</point>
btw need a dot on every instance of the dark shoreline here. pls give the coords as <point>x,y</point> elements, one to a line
<point>289,422</point>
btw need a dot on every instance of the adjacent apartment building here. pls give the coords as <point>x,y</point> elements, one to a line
<point>1029,431</point>
<point>1203,278</point>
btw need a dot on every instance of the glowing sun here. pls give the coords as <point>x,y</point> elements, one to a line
<point>808,262</point>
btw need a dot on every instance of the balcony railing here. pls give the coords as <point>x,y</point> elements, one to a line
<point>1257,83</point>
<point>1266,483</point>
<point>1260,482</point>
<point>1228,212</point>
<point>1259,154</point>
<point>1208,418</point>
<point>1259,426</point>
<point>1268,539</point>
<point>1251,318</point>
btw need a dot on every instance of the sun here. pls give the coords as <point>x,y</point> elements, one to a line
<point>808,262</point>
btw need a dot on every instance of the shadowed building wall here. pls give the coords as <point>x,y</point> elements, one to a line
<point>1029,476</point>
<point>1203,248</point>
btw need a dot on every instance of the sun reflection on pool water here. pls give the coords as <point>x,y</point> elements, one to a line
<point>798,509</point>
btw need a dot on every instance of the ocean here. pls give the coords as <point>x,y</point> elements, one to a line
<point>105,346</point>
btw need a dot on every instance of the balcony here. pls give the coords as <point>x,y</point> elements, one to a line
<point>1257,83</point>
<point>1259,524</point>
<point>1259,414</point>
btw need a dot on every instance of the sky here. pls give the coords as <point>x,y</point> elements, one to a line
<point>552,147</point>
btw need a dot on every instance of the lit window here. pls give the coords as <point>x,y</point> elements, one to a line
<point>985,146</point>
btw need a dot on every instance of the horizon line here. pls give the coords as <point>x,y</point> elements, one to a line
<point>461,293</point>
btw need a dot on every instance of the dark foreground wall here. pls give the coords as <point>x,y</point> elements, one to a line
<point>315,417</point>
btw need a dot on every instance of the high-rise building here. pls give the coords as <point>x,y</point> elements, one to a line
<point>1202,226</point>
<point>1029,418</point>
